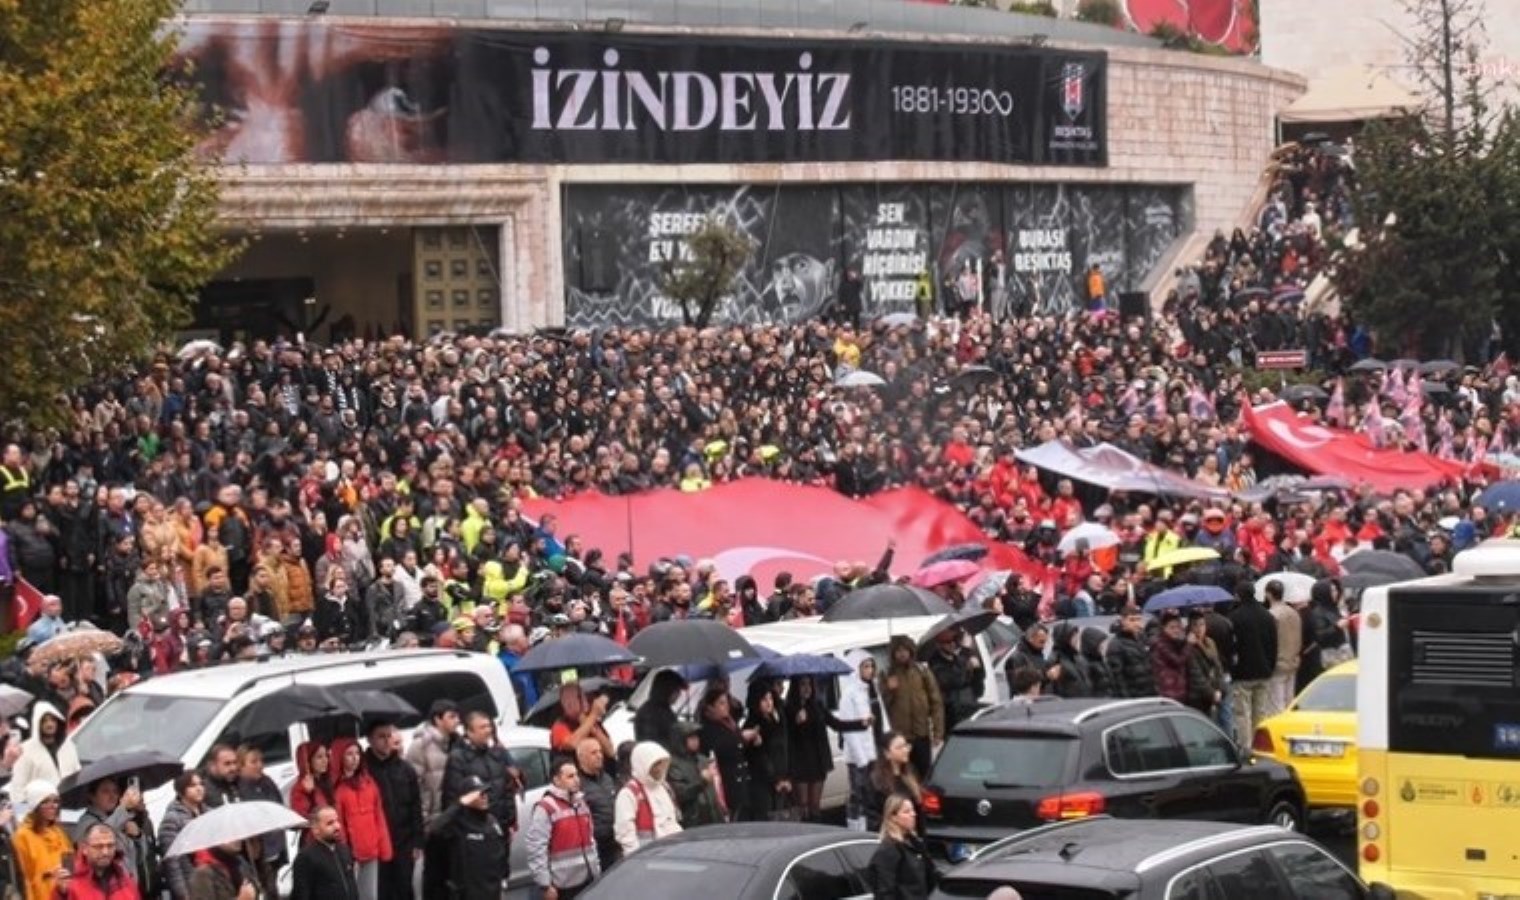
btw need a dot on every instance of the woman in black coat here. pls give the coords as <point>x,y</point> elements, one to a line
<point>1075,679</point>
<point>808,722</point>
<point>900,867</point>
<point>726,742</point>
<point>770,766</point>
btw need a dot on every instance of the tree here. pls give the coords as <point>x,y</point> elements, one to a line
<point>702,274</point>
<point>107,221</point>
<point>1102,12</point>
<point>1435,200</point>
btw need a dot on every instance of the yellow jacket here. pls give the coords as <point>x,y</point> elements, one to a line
<point>38,853</point>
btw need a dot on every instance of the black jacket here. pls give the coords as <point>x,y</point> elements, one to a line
<point>221,793</point>
<point>960,686</point>
<point>478,846</point>
<point>656,722</point>
<point>489,764</point>
<point>323,872</point>
<point>401,795</point>
<point>901,870</point>
<point>1255,642</point>
<point>1129,667</point>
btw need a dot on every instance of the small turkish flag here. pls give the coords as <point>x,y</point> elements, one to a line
<point>28,603</point>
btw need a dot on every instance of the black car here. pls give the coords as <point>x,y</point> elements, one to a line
<point>749,861</point>
<point>1103,858</point>
<point>1029,762</point>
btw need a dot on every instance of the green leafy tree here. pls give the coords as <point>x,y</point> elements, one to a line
<point>703,275</point>
<point>1436,200</point>
<point>107,221</point>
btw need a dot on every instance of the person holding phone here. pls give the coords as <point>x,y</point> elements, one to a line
<point>580,717</point>
<point>44,852</point>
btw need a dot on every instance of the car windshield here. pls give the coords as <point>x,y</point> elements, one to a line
<point>145,722</point>
<point>974,762</point>
<point>679,879</point>
<point>1330,693</point>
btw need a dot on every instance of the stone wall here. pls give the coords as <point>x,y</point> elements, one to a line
<point>1203,124</point>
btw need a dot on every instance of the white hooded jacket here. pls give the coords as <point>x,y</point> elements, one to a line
<point>662,803</point>
<point>36,763</point>
<point>854,706</point>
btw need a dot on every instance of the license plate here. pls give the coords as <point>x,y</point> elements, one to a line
<point>1322,749</point>
<point>960,852</point>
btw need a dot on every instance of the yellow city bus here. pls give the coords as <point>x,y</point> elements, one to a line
<point>1438,730</point>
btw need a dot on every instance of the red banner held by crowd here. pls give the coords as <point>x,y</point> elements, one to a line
<point>760,527</point>
<point>1333,451</point>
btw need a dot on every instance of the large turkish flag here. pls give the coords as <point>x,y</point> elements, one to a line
<point>761,527</point>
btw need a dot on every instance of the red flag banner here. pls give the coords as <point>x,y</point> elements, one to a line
<point>760,527</point>
<point>1333,451</point>
<point>28,603</point>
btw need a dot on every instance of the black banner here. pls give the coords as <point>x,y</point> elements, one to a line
<point>312,91</point>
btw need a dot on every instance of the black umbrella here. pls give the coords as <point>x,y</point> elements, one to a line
<point>380,706</point>
<point>1382,562</point>
<point>973,376</point>
<point>276,712</point>
<point>1315,137</point>
<point>149,767</point>
<point>1434,388</point>
<point>1298,393</point>
<point>1248,294</point>
<point>574,651</point>
<point>1368,365</point>
<point>886,601</point>
<point>968,552</point>
<point>971,621</point>
<point>1439,367</point>
<point>675,643</point>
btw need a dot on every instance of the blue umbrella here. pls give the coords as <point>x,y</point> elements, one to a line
<point>708,671</point>
<point>1189,595</point>
<point>1501,497</point>
<point>574,651</point>
<point>968,552</point>
<point>799,664</point>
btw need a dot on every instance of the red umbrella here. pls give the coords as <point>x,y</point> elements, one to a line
<point>949,570</point>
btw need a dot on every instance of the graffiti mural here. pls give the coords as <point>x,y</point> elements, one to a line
<point>1029,244</point>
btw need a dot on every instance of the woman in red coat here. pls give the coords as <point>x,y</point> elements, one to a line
<point>314,782</point>
<point>362,816</point>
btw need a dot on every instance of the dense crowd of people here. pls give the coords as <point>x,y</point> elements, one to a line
<point>284,498</point>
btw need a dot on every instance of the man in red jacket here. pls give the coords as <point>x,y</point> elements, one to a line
<point>99,873</point>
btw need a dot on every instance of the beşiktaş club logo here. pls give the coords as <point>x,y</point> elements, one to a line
<point>1073,89</point>
<point>612,99</point>
<point>1069,135</point>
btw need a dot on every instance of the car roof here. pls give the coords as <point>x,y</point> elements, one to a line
<point>227,681</point>
<point>1057,715</point>
<point>1102,845</point>
<point>755,844</point>
<point>813,635</point>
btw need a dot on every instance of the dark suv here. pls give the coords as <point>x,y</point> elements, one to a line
<point>1030,762</point>
<point>1106,859</point>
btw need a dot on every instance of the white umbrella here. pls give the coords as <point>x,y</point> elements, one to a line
<point>898,320</point>
<point>232,823</point>
<point>196,348</point>
<point>1296,586</point>
<point>1098,537</point>
<point>861,378</point>
<point>13,701</point>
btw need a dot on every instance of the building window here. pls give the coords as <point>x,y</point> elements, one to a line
<point>461,298</point>
<point>432,270</point>
<point>435,299</point>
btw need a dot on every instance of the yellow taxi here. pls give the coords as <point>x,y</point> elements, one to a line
<point>1316,735</point>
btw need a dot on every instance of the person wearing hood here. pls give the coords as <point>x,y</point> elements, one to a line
<point>1325,641</point>
<point>656,718</point>
<point>44,755</point>
<point>361,813</point>
<point>645,810</point>
<point>224,873</point>
<point>695,780</point>
<point>1093,643</point>
<point>860,731</point>
<point>912,700</point>
<point>560,840</point>
<point>1075,679</point>
<point>41,843</point>
<point>313,787</point>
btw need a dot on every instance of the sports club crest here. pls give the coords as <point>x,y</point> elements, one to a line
<point>1073,89</point>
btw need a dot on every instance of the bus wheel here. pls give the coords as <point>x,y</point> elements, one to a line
<point>1285,814</point>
